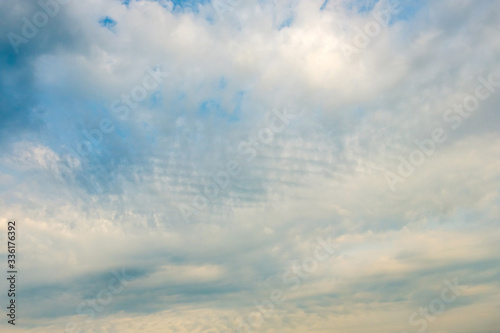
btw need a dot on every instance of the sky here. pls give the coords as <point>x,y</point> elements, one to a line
<point>274,166</point>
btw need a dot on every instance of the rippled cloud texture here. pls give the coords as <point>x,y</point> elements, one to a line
<point>252,166</point>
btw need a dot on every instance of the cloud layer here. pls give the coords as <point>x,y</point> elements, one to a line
<point>210,198</point>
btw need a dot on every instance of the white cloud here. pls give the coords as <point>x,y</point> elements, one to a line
<point>322,176</point>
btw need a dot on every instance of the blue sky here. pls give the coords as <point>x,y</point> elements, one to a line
<point>210,153</point>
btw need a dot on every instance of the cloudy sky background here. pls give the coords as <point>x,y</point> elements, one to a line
<point>229,66</point>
